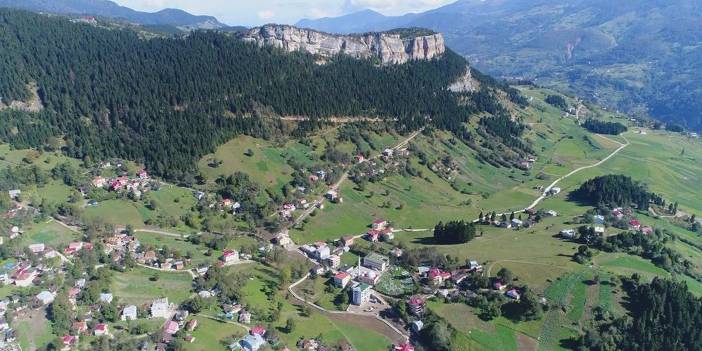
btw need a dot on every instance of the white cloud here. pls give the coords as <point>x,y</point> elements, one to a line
<point>396,7</point>
<point>265,14</point>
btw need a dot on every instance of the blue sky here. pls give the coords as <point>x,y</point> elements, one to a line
<point>255,12</point>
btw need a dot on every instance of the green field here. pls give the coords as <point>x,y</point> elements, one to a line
<point>136,286</point>
<point>50,233</point>
<point>212,334</point>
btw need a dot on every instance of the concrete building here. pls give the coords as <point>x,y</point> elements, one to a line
<point>361,294</point>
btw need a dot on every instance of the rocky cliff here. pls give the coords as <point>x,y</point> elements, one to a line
<point>390,48</point>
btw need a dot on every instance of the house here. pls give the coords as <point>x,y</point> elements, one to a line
<point>258,330</point>
<point>634,224</point>
<point>191,325</point>
<point>69,341</point>
<point>618,213</point>
<point>459,276</point>
<point>367,276</point>
<point>403,347</point>
<point>387,234</point>
<point>416,305</point>
<point>567,233</point>
<point>376,261</point>
<point>513,294</point>
<point>143,175</point>
<point>245,317</point>
<point>37,248</point>
<point>252,342</point>
<point>359,158</point>
<point>598,219</point>
<point>379,224</point>
<point>417,326</point>
<point>99,182</point>
<point>160,308</point>
<point>373,235</point>
<point>100,329</point>
<point>437,276</point>
<point>14,232</point>
<point>552,213</point>
<point>323,252</point>
<point>283,239</point>
<point>45,297</point>
<point>80,283</point>
<point>517,223</point>
<point>647,230</point>
<point>73,293</point>
<point>76,245</point>
<point>14,194</point>
<point>599,230</point>
<point>129,313</point>
<point>189,339</point>
<point>473,265</point>
<point>333,261</point>
<point>396,252</point>
<point>388,152</point>
<point>106,297</point>
<point>553,191</point>
<point>498,285</point>
<point>229,256</point>
<point>361,294</point>
<point>171,327</point>
<point>347,241</point>
<point>80,327</point>
<point>341,279</point>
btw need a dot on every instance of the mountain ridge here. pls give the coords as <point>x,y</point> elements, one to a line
<point>639,56</point>
<point>110,9</point>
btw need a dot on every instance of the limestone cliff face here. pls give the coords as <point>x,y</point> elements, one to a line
<point>390,48</point>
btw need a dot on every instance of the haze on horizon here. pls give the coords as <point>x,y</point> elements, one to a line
<point>251,13</point>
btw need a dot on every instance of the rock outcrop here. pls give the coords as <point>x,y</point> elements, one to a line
<point>464,83</point>
<point>389,48</point>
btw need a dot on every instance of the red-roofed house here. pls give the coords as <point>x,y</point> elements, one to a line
<point>258,330</point>
<point>100,329</point>
<point>373,235</point>
<point>438,276</point>
<point>416,305</point>
<point>647,230</point>
<point>171,327</point>
<point>99,182</point>
<point>69,341</point>
<point>143,174</point>
<point>404,347</point>
<point>73,293</point>
<point>341,279</point>
<point>634,224</point>
<point>76,245</point>
<point>229,256</point>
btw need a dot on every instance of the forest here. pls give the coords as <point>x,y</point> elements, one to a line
<point>165,102</point>
<point>615,190</point>
<point>664,315</point>
<point>454,232</point>
<point>601,127</point>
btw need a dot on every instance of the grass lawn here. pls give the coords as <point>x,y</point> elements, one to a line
<point>157,241</point>
<point>34,331</point>
<point>118,212</point>
<point>136,287</point>
<point>211,334</point>
<point>49,233</point>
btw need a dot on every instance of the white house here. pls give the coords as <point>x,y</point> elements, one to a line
<point>129,313</point>
<point>45,297</point>
<point>106,297</point>
<point>568,233</point>
<point>361,294</point>
<point>160,308</point>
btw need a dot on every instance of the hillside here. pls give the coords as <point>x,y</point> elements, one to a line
<point>125,96</point>
<point>637,56</point>
<point>110,9</point>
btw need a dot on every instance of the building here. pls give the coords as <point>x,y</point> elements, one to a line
<point>14,194</point>
<point>387,234</point>
<point>361,294</point>
<point>379,224</point>
<point>437,276</point>
<point>171,327</point>
<point>599,230</point>
<point>417,326</point>
<point>191,325</point>
<point>598,220</point>
<point>106,297</point>
<point>160,308</point>
<point>553,191</point>
<point>129,313</point>
<point>376,261</point>
<point>37,248</point>
<point>323,252</point>
<point>69,341</point>
<point>100,329</point>
<point>513,294</point>
<point>403,347</point>
<point>342,279</point>
<point>347,240</point>
<point>634,224</point>
<point>230,256</point>
<point>80,327</point>
<point>517,223</point>
<point>333,261</point>
<point>252,342</point>
<point>567,233</point>
<point>245,317</point>
<point>416,305</point>
<point>373,235</point>
<point>45,297</point>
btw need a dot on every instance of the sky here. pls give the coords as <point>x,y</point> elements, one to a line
<point>256,12</point>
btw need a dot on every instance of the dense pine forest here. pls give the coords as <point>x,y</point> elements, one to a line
<point>600,127</point>
<point>664,316</point>
<point>168,101</point>
<point>615,190</point>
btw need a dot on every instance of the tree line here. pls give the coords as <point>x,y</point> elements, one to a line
<point>615,190</point>
<point>454,232</point>
<point>602,127</point>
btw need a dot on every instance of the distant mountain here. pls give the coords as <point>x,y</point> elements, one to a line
<point>109,9</point>
<point>641,56</point>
